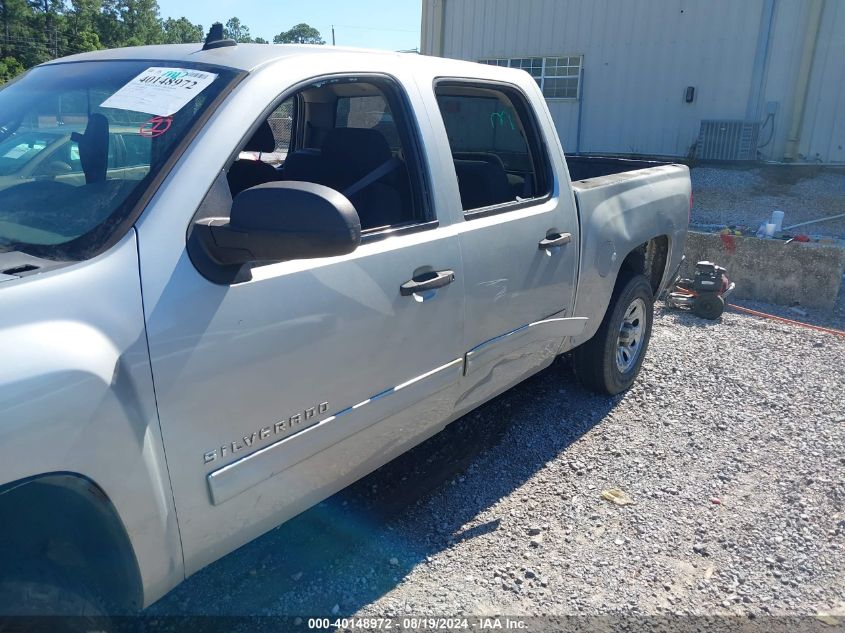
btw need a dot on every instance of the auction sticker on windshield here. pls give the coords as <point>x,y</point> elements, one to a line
<point>160,91</point>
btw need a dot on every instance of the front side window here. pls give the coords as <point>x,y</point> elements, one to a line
<point>558,77</point>
<point>354,135</point>
<point>81,142</point>
<point>496,150</point>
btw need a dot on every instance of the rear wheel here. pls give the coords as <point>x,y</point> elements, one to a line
<point>610,361</point>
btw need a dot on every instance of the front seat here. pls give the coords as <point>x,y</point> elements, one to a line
<point>246,173</point>
<point>93,147</point>
<point>348,156</point>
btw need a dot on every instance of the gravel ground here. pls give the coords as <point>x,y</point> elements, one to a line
<point>832,318</point>
<point>746,196</point>
<point>731,446</point>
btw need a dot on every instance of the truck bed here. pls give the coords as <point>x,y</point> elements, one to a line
<point>588,167</point>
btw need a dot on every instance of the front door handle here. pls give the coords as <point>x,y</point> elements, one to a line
<point>555,239</point>
<point>427,281</point>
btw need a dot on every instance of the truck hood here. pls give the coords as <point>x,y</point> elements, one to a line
<point>14,265</point>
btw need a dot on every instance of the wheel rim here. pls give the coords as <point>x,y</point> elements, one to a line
<point>629,343</point>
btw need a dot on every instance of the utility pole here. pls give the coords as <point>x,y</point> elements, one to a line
<point>5,29</point>
<point>333,35</point>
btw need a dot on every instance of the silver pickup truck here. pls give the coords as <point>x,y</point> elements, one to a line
<point>197,344</point>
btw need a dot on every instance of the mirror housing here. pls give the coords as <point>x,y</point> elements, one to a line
<point>280,221</point>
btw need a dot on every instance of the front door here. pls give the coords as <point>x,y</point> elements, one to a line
<point>276,392</point>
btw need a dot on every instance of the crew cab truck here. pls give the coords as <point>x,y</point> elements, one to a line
<point>199,348</point>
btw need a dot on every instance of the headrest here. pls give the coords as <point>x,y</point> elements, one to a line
<point>357,150</point>
<point>263,139</point>
<point>94,148</point>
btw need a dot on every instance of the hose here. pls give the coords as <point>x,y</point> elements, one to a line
<point>769,117</point>
<point>785,320</point>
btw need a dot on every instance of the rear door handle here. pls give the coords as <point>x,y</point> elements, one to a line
<point>427,281</point>
<point>555,239</point>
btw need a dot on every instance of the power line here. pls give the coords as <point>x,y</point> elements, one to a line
<point>374,28</point>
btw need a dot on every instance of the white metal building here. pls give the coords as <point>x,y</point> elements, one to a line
<point>730,79</point>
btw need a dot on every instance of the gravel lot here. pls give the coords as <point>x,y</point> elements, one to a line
<point>731,445</point>
<point>745,196</point>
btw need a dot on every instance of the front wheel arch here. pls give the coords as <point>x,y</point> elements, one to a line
<point>63,525</point>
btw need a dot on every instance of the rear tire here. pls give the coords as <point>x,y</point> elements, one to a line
<point>610,361</point>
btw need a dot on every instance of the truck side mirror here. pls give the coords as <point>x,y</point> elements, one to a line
<point>280,221</point>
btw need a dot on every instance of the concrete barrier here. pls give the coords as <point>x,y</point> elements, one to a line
<point>772,270</point>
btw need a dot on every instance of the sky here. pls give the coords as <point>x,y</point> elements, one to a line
<point>386,24</point>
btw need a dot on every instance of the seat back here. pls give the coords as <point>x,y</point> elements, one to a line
<point>94,148</point>
<point>349,154</point>
<point>482,183</point>
<point>304,165</point>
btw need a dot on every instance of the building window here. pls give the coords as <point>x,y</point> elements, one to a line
<point>558,77</point>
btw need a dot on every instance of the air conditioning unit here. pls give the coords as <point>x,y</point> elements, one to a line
<point>728,140</point>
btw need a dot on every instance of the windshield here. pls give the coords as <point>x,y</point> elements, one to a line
<point>81,142</point>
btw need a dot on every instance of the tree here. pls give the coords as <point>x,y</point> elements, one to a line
<point>34,31</point>
<point>300,34</point>
<point>49,10</point>
<point>23,37</point>
<point>9,69</point>
<point>130,23</point>
<point>236,31</point>
<point>182,31</point>
<point>81,26</point>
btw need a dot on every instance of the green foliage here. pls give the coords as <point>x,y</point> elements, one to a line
<point>299,34</point>
<point>9,68</point>
<point>234,30</point>
<point>182,31</point>
<point>34,31</point>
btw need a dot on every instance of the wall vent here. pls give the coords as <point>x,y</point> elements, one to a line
<point>728,140</point>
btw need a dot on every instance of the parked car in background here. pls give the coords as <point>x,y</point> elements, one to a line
<point>49,153</point>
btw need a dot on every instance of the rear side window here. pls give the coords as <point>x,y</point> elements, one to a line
<point>495,145</point>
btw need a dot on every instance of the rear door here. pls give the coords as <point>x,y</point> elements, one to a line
<point>518,233</point>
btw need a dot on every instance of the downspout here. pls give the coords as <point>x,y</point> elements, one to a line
<point>580,110</point>
<point>425,28</point>
<point>758,74</point>
<point>442,29</point>
<point>811,37</point>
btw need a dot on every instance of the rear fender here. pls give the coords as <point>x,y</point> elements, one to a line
<point>620,213</point>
